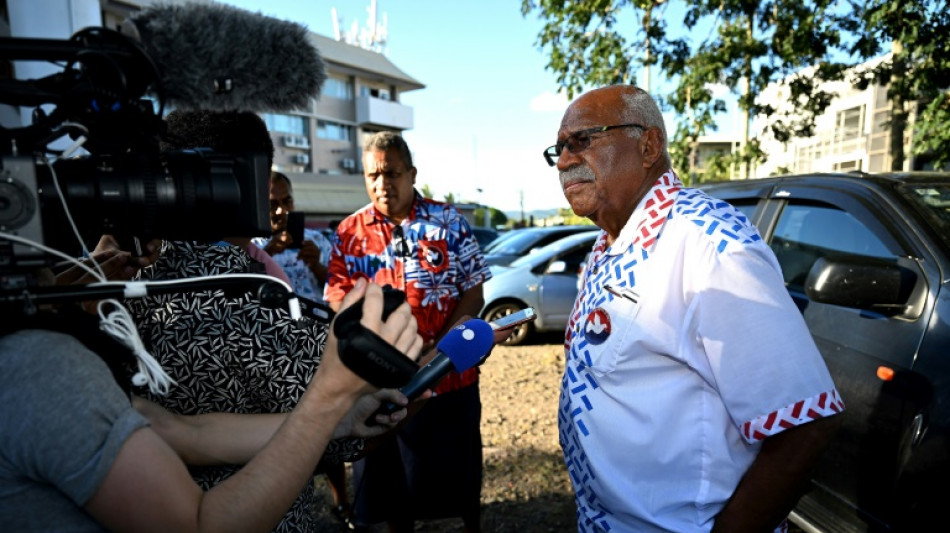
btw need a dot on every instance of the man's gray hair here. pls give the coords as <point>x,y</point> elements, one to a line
<point>385,140</point>
<point>641,108</point>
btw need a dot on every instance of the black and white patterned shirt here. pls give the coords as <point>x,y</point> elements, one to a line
<point>228,353</point>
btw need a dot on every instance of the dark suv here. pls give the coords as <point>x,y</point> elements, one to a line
<point>867,260</point>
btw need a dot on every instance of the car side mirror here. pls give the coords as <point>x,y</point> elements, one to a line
<point>556,267</point>
<point>860,282</point>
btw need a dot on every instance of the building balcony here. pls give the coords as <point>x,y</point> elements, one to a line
<point>385,113</point>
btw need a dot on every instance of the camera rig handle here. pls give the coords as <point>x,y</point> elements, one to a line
<point>26,300</point>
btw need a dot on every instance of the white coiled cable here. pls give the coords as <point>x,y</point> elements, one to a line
<point>119,324</point>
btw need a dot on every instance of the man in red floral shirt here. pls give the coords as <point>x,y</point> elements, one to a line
<point>433,468</point>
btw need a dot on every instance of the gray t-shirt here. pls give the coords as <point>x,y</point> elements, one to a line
<point>64,420</point>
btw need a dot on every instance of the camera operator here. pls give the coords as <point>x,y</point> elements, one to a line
<point>226,352</point>
<point>78,457</point>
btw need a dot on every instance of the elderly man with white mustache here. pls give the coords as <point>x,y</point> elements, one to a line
<point>694,398</point>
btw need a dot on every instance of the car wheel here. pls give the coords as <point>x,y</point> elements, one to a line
<point>521,331</point>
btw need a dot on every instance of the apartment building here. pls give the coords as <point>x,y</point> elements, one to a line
<point>852,134</point>
<point>320,148</point>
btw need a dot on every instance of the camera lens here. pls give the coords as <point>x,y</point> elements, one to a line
<point>187,195</point>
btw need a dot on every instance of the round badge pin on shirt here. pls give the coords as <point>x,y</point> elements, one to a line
<point>597,326</point>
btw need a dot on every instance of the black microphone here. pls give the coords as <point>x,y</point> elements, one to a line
<point>221,58</point>
<point>463,347</point>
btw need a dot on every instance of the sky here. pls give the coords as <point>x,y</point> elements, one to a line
<point>489,107</point>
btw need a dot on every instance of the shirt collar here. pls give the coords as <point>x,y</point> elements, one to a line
<point>372,216</point>
<point>644,225</point>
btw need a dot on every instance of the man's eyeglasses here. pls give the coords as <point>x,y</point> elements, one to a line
<point>579,141</point>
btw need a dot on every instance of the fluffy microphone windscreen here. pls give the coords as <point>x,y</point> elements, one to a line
<point>270,64</point>
<point>467,343</point>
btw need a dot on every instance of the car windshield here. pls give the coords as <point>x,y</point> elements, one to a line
<point>932,200</point>
<point>498,240</point>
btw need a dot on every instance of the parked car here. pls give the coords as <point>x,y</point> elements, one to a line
<point>484,236</point>
<point>867,260</point>
<point>545,280</point>
<point>521,242</point>
<point>503,236</point>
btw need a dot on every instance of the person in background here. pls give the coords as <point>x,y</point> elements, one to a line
<point>305,263</point>
<point>433,468</point>
<point>694,398</point>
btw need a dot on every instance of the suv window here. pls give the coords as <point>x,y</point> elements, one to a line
<point>747,209</point>
<point>806,232</point>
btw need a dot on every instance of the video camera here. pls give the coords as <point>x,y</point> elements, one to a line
<point>124,185</point>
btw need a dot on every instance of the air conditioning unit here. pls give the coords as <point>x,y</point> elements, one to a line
<point>348,163</point>
<point>302,159</point>
<point>296,141</point>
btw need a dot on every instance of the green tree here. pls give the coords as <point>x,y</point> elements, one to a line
<point>496,217</point>
<point>449,198</point>
<point>740,45</point>
<point>426,191</point>
<point>570,219</point>
<point>916,73</point>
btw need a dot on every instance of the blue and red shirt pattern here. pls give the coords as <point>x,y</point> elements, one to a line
<point>432,256</point>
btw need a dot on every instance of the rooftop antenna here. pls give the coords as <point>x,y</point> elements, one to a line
<point>371,37</point>
<point>336,24</point>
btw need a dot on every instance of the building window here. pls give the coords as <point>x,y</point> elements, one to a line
<point>286,123</point>
<point>849,123</point>
<point>336,88</point>
<point>846,166</point>
<point>334,131</point>
<point>375,92</point>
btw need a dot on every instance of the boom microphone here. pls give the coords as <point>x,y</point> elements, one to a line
<point>463,347</point>
<point>221,58</point>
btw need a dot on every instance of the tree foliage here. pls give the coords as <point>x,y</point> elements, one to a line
<point>918,69</point>
<point>744,46</point>
<point>496,217</point>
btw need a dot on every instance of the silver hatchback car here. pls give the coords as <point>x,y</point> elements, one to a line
<point>546,280</point>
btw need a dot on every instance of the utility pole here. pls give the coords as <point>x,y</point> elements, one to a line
<point>521,201</point>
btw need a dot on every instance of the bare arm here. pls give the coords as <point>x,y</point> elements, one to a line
<point>211,439</point>
<point>777,478</point>
<point>149,489</point>
<point>229,438</point>
<point>310,255</point>
<point>470,304</point>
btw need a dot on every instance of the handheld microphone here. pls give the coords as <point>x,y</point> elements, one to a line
<point>221,58</point>
<point>463,347</point>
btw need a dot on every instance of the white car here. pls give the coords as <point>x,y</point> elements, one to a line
<point>546,280</point>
